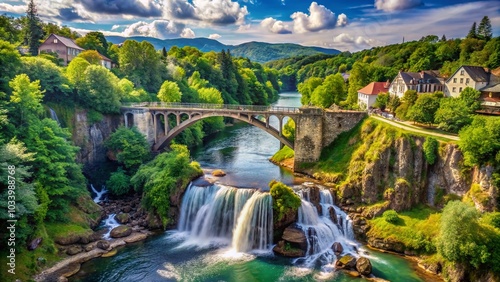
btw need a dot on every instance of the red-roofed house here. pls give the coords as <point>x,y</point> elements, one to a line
<point>368,94</point>
<point>64,47</point>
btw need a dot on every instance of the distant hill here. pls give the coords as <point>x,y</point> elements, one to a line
<point>255,51</point>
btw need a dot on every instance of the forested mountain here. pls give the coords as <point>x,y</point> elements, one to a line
<point>255,51</point>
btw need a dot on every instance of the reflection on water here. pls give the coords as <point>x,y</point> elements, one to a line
<point>243,152</point>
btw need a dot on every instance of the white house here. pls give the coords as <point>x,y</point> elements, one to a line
<point>467,76</point>
<point>368,94</point>
<point>422,82</point>
<point>106,62</point>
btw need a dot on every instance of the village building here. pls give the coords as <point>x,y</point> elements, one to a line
<point>468,76</point>
<point>422,82</point>
<point>368,94</point>
<point>64,47</point>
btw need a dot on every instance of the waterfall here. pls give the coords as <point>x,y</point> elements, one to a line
<point>109,224</point>
<point>215,214</point>
<point>254,228</point>
<point>98,194</point>
<point>320,230</point>
<point>53,115</point>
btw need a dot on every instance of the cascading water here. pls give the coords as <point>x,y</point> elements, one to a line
<point>220,214</point>
<point>109,224</point>
<point>320,230</point>
<point>98,194</point>
<point>53,115</point>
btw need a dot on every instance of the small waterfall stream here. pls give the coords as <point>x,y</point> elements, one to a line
<point>53,115</point>
<point>99,195</point>
<point>320,230</point>
<point>109,223</point>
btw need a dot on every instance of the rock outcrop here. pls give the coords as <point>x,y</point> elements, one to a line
<point>120,231</point>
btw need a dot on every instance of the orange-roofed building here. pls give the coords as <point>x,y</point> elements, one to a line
<point>368,94</point>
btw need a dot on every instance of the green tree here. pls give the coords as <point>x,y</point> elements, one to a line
<point>307,87</point>
<point>381,101</point>
<point>289,129</point>
<point>331,91</point>
<point>94,40</point>
<point>424,109</point>
<point>76,70</point>
<point>470,96</point>
<point>33,29</point>
<point>358,79</point>
<point>56,172</point>
<point>453,114</point>
<point>460,238</point>
<point>8,30</point>
<point>25,101</point>
<point>169,92</point>
<point>484,29</point>
<point>393,102</point>
<point>129,146</point>
<point>99,90</point>
<point>52,81</point>
<point>472,32</point>
<point>92,56</point>
<point>479,141</point>
<point>10,63</point>
<point>119,182</point>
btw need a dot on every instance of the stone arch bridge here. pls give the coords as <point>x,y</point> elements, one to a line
<point>315,128</point>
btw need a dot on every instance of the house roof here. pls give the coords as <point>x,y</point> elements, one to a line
<point>105,58</point>
<point>431,75</point>
<point>68,42</point>
<point>374,88</point>
<point>478,74</point>
<point>492,88</point>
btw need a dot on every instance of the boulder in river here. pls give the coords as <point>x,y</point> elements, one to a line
<point>333,215</point>
<point>121,231</point>
<point>346,261</point>
<point>364,266</point>
<point>287,250</point>
<point>296,236</point>
<point>103,245</point>
<point>337,248</point>
<point>73,250</point>
<point>218,173</point>
<point>122,218</point>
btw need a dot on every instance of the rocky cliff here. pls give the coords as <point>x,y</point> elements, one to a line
<point>90,137</point>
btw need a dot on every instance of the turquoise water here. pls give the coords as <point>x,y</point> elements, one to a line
<point>243,152</point>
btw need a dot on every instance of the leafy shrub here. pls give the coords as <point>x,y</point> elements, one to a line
<point>130,147</point>
<point>430,150</point>
<point>284,199</point>
<point>391,216</point>
<point>118,183</point>
<point>94,116</point>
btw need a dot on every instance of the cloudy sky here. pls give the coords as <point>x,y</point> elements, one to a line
<point>341,24</point>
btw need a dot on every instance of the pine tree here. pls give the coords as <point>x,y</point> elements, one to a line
<point>164,52</point>
<point>472,31</point>
<point>484,29</point>
<point>34,30</point>
<point>443,39</point>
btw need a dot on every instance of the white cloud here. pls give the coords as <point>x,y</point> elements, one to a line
<point>319,18</point>
<point>214,36</point>
<point>159,29</point>
<point>17,9</point>
<point>342,20</point>
<point>359,41</point>
<point>187,33</point>
<point>115,27</point>
<point>275,26</point>
<point>396,5</point>
<point>218,12</point>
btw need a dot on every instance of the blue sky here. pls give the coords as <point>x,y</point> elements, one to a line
<point>341,24</point>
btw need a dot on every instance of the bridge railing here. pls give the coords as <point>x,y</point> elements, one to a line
<point>213,107</point>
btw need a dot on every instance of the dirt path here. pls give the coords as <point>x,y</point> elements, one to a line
<point>413,129</point>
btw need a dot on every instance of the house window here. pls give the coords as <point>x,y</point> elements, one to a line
<point>460,90</point>
<point>462,72</point>
<point>455,80</point>
<point>461,80</point>
<point>69,51</point>
<point>467,81</point>
<point>454,90</point>
<point>55,41</point>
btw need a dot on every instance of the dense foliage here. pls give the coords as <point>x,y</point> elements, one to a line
<point>480,141</point>
<point>430,148</point>
<point>284,199</point>
<point>129,146</point>
<point>162,177</point>
<point>391,216</point>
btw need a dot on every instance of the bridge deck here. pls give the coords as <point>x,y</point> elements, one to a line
<point>219,107</point>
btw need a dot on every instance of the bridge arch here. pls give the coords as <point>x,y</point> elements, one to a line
<point>197,116</point>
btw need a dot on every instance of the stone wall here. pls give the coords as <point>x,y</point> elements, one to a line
<point>316,129</point>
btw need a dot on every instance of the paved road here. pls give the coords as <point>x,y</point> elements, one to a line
<point>405,127</point>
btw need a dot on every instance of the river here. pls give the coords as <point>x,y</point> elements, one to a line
<point>202,254</point>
